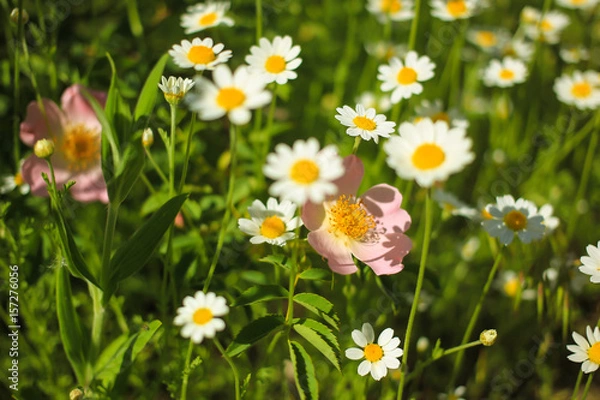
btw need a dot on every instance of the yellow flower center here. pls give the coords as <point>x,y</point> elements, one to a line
<point>511,287</point>
<point>506,74</point>
<point>594,353</point>
<point>272,227</point>
<point>80,147</point>
<point>208,19</point>
<point>202,316</point>
<point>515,220</point>
<point>486,39</point>
<point>364,123</point>
<point>275,64</point>
<point>581,90</point>
<point>304,172</point>
<point>230,98</point>
<point>373,352</point>
<point>441,116</point>
<point>18,179</point>
<point>428,156</point>
<point>391,6</point>
<point>546,25</point>
<point>456,8</point>
<point>578,2</point>
<point>350,218</point>
<point>201,55</point>
<point>406,76</point>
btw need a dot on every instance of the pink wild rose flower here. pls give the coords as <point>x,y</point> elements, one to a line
<point>370,227</point>
<point>76,133</point>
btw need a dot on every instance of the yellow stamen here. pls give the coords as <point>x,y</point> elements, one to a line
<point>441,116</point>
<point>486,39</point>
<point>230,98</point>
<point>373,352</point>
<point>594,353</point>
<point>581,90</point>
<point>428,156</point>
<point>511,287</point>
<point>272,227</point>
<point>304,172</point>
<point>515,220</point>
<point>350,218</point>
<point>18,179</point>
<point>201,55</point>
<point>406,76</point>
<point>208,19</point>
<point>275,64</point>
<point>202,316</point>
<point>80,147</point>
<point>546,25</point>
<point>364,123</point>
<point>391,6</point>
<point>456,8</point>
<point>506,74</point>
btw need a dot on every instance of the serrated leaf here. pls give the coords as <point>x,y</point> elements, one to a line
<point>68,322</point>
<point>321,338</point>
<point>253,332</point>
<point>258,294</point>
<point>315,274</point>
<point>318,305</point>
<point>147,97</point>
<point>304,372</point>
<point>279,260</point>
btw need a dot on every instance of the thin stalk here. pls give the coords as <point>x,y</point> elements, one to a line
<point>17,88</point>
<point>577,383</point>
<point>475,316</point>
<point>293,272</point>
<point>415,304</point>
<point>228,204</point>
<point>412,38</point>
<point>188,146</point>
<point>259,18</point>
<point>172,150</point>
<point>236,375</point>
<point>269,125</point>
<point>587,387</point>
<point>357,141</point>
<point>156,167</point>
<point>186,374</point>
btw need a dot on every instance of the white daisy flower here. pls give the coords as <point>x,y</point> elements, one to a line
<point>380,356</point>
<point>435,111</point>
<point>456,394</point>
<point>577,4</point>
<point>303,172</point>
<point>202,16</point>
<point>234,94</point>
<point>198,316</point>
<point>452,9</point>
<point>510,284</point>
<point>450,203</point>
<point>580,89</point>
<point>385,51</point>
<point>550,222</point>
<point>402,78</point>
<point>381,103</point>
<point>585,351</point>
<point>174,88</point>
<point>273,223</point>
<point>200,54</point>
<point>488,40</point>
<point>395,10</point>
<point>518,48</point>
<point>9,182</point>
<point>530,15</point>
<point>275,60</point>
<point>574,55</point>
<point>505,73</point>
<point>365,123</point>
<point>548,27</point>
<point>428,152</point>
<point>591,263</point>
<point>510,218</point>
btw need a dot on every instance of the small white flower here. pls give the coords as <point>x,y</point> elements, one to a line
<point>365,123</point>
<point>303,172</point>
<point>591,263</point>
<point>548,27</point>
<point>428,152</point>
<point>488,40</point>
<point>518,48</point>
<point>457,394</point>
<point>510,283</point>
<point>272,224</point>
<point>174,88</point>
<point>234,94</point>
<point>435,111</point>
<point>198,316</point>
<point>200,54</point>
<point>510,218</point>
<point>574,55</point>
<point>9,182</point>
<point>505,73</point>
<point>585,351</point>
<point>403,78</point>
<point>395,10</point>
<point>275,60</point>
<point>384,51</point>
<point>452,204</point>
<point>580,89</point>
<point>381,103</point>
<point>380,356</point>
<point>202,16</point>
<point>577,4</point>
<point>452,9</point>
<point>550,222</point>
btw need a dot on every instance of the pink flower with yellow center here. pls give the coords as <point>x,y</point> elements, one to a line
<point>370,227</point>
<point>76,133</point>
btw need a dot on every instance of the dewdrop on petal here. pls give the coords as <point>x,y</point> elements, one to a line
<point>43,148</point>
<point>488,337</point>
<point>147,138</point>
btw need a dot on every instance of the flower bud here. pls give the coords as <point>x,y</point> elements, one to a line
<point>14,16</point>
<point>488,337</point>
<point>422,344</point>
<point>147,137</point>
<point>43,148</point>
<point>76,394</point>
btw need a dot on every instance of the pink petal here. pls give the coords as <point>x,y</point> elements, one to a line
<point>36,126</point>
<point>313,215</point>
<point>89,186</point>
<point>337,254</point>
<point>32,174</point>
<point>383,202</point>
<point>384,256</point>
<point>77,108</point>
<point>349,182</point>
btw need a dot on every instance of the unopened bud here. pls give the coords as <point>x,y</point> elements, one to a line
<point>43,148</point>
<point>488,337</point>
<point>76,394</point>
<point>14,16</point>
<point>422,344</point>
<point>147,137</point>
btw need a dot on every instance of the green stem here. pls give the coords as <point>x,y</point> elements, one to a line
<point>228,204</point>
<point>134,19</point>
<point>188,146</point>
<point>259,17</point>
<point>587,387</point>
<point>577,383</point>
<point>17,89</point>
<point>186,374</point>
<point>412,38</point>
<point>161,174</point>
<point>109,232</point>
<point>97,325</point>
<point>269,126</point>
<point>236,375</point>
<point>415,304</point>
<point>172,151</point>
<point>475,316</point>
<point>293,272</point>
<point>357,141</point>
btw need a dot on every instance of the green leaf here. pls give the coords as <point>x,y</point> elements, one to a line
<point>321,337</point>
<point>68,322</point>
<point>253,332</point>
<point>315,274</point>
<point>318,305</point>
<point>110,108</point>
<point>127,173</point>
<point>279,260</point>
<point>137,250</point>
<point>258,294</point>
<point>304,372</point>
<point>147,97</point>
<point>122,352</point>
